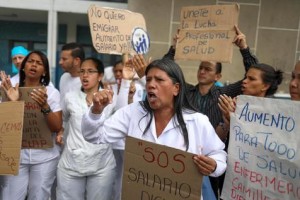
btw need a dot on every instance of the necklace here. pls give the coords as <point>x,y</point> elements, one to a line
<point>89,103</point>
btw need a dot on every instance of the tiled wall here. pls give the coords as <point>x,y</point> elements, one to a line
<point>272,28</point>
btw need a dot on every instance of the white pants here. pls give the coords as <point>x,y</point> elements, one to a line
<point>3,185</point>
<point>34,180</point>
<point>93,187</point>
<point>117,187</point>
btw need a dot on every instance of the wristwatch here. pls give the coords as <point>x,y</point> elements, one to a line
<point>46,111</point>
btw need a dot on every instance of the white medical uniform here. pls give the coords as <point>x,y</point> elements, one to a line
<point>130,121</point>
<point>37,166</point>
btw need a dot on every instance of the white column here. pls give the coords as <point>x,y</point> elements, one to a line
<point>52,39</point>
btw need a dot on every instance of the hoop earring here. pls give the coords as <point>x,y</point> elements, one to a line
<point>43,79</point>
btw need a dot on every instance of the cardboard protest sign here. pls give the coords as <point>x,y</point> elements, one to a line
<point>112,29</point>
<point>36,134</point>
<point>11,126</point>
<point>263,153</point>
<point>153,171</point>
<point>207,32</point>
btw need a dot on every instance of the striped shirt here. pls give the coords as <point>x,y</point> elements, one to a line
<point>208,103</point>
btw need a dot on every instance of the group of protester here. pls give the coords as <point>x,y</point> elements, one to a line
<point>89,169</point>
<point>151,101</point>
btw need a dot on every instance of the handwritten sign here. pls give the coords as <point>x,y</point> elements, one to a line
<point>263,154</point>
<point>112,29</point>
<point>207,32</point>
<point>140,41</point>
<point>36,134</point>
<point>153,171</point>
<point>11,126</point>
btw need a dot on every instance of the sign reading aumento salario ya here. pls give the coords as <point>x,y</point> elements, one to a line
<point>112,29</point>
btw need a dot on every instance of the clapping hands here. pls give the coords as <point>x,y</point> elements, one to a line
<point>11,92</point>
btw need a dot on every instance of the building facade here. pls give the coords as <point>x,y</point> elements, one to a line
<point>272,28</point>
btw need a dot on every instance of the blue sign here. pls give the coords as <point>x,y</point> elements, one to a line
<point>140,41</point>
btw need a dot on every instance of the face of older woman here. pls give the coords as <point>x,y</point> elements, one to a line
<point>160,89</point>
<point>295,83</point>
<point>253,84</point>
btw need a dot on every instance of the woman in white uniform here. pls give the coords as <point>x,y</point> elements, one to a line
<point>165,117</point>
<point>85,170</point>
<point>295,83</point>
<point>37,169</point>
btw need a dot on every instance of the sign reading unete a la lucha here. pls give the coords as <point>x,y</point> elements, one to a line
<point>207,32</point>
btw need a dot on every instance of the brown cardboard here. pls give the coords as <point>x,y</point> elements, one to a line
<point>153,171</point>
<point>11,125</point>
<point>112,29</point>
<point>207,32</point>
<point>263,152</point>
<point>36,134</point>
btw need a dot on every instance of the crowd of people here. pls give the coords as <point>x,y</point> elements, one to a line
<point>89,118</point>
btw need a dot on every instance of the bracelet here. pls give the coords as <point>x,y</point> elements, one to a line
<point>224,128</point>
<point>214,169</point>
<point>46,111</point>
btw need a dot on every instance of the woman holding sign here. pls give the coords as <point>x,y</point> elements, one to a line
<point>261,80</point>
<point>165,117</point>
<point>38,165</point>
<point>295,83</point>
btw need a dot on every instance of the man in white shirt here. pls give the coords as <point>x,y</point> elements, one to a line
<point>71,56</point>
<point>18,54</point>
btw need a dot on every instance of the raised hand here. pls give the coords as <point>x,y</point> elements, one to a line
<point>11,92</point>
<point>101,99</point>
<point>240,39</point>
<point>139,63</point>
<point>128,71</point>
<point>175,39</point>
<point>226,105</point>
<point>131,92</point>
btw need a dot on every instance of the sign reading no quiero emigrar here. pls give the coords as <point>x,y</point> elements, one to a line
<point>112,29</point>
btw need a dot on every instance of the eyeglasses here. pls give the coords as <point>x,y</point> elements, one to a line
<point>88,72</point>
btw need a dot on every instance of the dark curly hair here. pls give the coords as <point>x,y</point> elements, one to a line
<point>270,76</point>
<point>44,80</point>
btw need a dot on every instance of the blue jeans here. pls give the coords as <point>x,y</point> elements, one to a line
<point>207,191</point>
